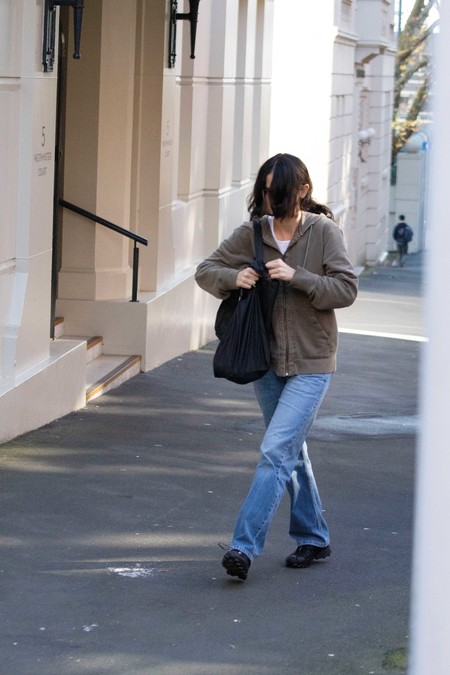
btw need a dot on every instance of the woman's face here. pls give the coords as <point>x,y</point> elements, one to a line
<point>267,200</point>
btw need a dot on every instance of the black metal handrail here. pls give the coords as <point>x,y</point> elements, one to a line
<point>137,239</point>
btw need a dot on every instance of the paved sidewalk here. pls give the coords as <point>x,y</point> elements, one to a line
<point>111,518</point>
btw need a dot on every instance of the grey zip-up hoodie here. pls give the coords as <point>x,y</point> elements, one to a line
<point>305,335</point>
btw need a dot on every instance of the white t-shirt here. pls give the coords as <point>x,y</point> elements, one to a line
<point>282,245</point>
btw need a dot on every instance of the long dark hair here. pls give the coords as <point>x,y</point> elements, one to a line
<point>289,175</point>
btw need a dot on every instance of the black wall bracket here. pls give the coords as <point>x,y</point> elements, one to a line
<point>192,17</point>
<point>48,45</point>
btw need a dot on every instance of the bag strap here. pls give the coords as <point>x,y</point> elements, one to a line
<point>257,232</point>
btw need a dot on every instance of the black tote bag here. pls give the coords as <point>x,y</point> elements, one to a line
<point>243,325</point>
<point>243,354</point>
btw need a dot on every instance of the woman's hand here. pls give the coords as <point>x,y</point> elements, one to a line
<point>247,278</point>
<point>279,270</point>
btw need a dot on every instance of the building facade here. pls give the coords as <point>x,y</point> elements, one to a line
<point>332,104</point>
<point>166,148</point>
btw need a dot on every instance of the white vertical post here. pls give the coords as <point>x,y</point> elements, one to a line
<point>430,605</point>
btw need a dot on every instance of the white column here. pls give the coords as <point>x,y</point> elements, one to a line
<point>430,613</point>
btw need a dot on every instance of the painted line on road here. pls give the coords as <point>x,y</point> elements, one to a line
<point>394,336</point>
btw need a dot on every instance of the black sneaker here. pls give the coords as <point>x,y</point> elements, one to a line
<point>236,563</point>
<point>305,555</point>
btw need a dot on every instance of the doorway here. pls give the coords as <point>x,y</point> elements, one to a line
<point>59,161</point>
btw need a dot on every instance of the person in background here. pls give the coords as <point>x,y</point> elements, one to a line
<point>304,249</point>
<point>402,234</point>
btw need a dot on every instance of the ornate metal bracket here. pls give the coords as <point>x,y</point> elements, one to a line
<point>192,17</point>
<point>48,46</point>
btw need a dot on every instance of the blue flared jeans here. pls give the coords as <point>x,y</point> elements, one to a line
<point>289,406</point>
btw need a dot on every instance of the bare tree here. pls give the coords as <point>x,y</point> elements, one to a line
<point>412,59</point>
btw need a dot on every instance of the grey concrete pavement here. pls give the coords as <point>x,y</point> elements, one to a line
<point>110,519</point>
<point>390,300</point>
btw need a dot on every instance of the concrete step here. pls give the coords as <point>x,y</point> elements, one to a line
<point>59,327</point>
<point>108,371</point>
<point>103,371</point>
<point>94,345</point>
<point>94,348</point>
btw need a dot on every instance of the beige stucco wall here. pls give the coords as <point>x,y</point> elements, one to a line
<point>31,370</point>
<point>98,151</point>
<point>27,130</point>
<point>198,133</point>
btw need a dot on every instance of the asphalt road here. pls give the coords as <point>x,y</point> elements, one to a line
<point>110,519</point>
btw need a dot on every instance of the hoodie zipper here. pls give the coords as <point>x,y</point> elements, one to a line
<point>286,369</point>
<point>285,322</point>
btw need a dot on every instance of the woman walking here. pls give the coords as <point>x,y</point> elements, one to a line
<point>305,251</point>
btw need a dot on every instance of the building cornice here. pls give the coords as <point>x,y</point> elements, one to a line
<point>343,37</point>
<point>366,50</point>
